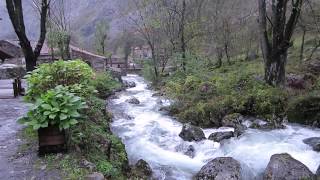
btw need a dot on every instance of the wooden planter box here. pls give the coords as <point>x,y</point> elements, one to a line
<point>51,140</point>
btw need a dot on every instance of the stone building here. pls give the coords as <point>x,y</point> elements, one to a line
<point>141,52</point>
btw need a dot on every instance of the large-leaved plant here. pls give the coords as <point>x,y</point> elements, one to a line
<point>57,107</point>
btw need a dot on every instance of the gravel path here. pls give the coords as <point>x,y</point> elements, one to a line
<point>16,165</point>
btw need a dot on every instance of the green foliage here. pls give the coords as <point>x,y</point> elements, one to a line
<point>57,107</point>
<point>105,84</point>
<point>65,73</point>
<point>206,95</point>
<point>305,109</point>
<point>148,72</point>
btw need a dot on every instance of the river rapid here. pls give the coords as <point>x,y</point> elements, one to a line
<point>154,137</point>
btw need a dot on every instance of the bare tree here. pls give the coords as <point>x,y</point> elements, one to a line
<point>275,45</point>
<point>15,11</point>
<point>101,37</point>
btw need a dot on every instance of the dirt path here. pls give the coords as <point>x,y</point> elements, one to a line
<point>15,165</point>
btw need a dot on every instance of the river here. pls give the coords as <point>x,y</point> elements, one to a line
<point>153,136</point>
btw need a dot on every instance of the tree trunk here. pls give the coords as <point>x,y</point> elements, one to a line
<point>275,70</point>
<point>31,62</point>
<point>183,42</point>
<point>302,45</point>
<point>67,47</point>
<point>226,50</point>
<point>275,49</point>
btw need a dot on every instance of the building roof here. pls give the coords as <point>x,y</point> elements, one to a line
<point>74,48</point>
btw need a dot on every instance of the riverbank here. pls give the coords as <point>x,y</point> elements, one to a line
<point>152,135</point>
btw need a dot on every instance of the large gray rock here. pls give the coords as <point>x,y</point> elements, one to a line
<point>219,136</point>
<point>318,172</point>
<point>314,142</point>
<point>284,167</point>
<point>133,100</point>
<point>234,120</point>
<point>221,168</point>
<point>141,170</point>
<point>95,176</point>
<point>129,84</point>
<point>191,133</point>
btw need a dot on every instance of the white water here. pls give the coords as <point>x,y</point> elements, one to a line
<point>150,135</point>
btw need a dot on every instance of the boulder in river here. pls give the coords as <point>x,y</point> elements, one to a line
<point>284,167</point>
<point>191,133</point>
<point>129,84</point>
<point>314,142</point>
<point>141,170</point>
<point>191,152</point>
<point>219,136</point>
<point>133,100</point>
<point>234,120</point>
<point>221,168</point>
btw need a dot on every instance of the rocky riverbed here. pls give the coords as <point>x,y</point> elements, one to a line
<point>157,138</point>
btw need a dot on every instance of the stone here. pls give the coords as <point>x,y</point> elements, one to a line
<point>304,110</point>
<point>239,130</point>
<point>220,136</point>
<point>191,151</point>
<point>284,167</point>
<point>133,100</point>
<point>318,172</point>
<point>141,170</point>
<point>314,142</point>
<point>129,84</point>
<point>95,176</point>
<point>232,120</point>
<point>88,165</point>
<point>157,94</point>
<point>220,168</point>
<point>191,133</point>
<point>296,81</point>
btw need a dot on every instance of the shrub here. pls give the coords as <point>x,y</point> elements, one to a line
<point>105,84</point>
<point>57,107</point>
<point>48,76</point>
<point>304,109</point>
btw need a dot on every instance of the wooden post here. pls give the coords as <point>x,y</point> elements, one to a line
<point>15,88</point>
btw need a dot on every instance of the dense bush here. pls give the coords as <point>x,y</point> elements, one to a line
<point>59,91</point>
<point>105,84</point>
<point>57,107</point>
<point>48,76</point>
<point>305,110</point>
<point>208,96</point>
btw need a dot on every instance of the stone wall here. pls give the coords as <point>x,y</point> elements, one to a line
<point>97,62</point>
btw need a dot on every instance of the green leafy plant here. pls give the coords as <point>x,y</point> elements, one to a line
<point>57,107</point>
<point>105,84</point>
<point>48,76</point>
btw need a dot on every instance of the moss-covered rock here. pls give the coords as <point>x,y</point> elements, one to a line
<point>305,110</point>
